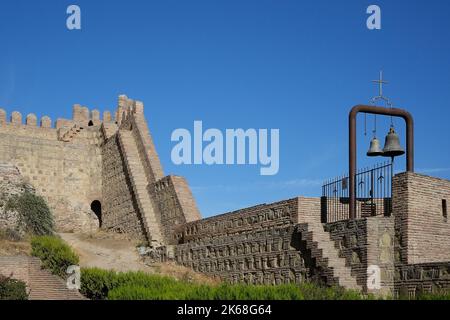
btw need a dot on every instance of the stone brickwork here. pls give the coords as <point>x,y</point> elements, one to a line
<point>256,245</point>
<point>176,204</point>
<point>367,242</point>
<point>41,284</point>
<point>67,175</point>
<point>113,163</point>
<point>119,212</point>
<point>422,228</point>
<point>350,238</point>
<point>87,160</point>
<point>11,183</point>
<point>413,279</point>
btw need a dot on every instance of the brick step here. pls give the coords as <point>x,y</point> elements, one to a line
<point>41,283</point>
<point>140,183</point>
<point>326,255</point>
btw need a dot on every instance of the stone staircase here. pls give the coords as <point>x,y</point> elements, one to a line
<point>327,257</point>
<point>41,284</point>
<point>71,133</point>
<point>139,182</point>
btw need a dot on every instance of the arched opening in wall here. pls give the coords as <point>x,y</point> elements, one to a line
<point>90,124</point>
<point>96,207</point>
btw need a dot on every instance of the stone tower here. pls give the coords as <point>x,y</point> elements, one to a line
<point>99,172</point>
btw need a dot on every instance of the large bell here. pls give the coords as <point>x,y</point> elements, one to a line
<point>392,146</point>
<point>375,149</point>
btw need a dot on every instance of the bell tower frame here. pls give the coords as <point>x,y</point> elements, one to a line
<point>400,113</point>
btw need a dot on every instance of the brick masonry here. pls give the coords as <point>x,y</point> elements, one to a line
<point>85,159</point>
<point>41,284</point>
<point>423,230</point>
<point>256,245</point>
<point>114,160</point>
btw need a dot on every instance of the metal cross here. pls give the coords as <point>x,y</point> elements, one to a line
<point>380,83</point>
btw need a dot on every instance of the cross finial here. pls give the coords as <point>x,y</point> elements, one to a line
<point>380,83</point>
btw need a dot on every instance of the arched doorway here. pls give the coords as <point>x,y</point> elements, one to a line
<point>90,124</point>
<point>96,207</point>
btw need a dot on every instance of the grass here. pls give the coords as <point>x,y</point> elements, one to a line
<point>103,284</point>
<point>54,253</point>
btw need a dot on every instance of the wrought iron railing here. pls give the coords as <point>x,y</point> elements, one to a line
<point>373,194</point>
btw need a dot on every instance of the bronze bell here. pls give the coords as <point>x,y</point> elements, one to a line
<point>375,149</point>
<point>392,146</point>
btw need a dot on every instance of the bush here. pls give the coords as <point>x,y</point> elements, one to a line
<point>185,291</point>
<point>34,214</point>
<point>103,284</point>
<point>54,253</point>
<point>96,283</point>
<point>11,289</point>
<point>438,295</point>
<point>10,235</point>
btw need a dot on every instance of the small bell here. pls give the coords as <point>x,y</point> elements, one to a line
<point>392,146</point>
<point>375,149</point>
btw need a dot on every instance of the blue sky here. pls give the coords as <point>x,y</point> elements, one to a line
<point>297,66</point>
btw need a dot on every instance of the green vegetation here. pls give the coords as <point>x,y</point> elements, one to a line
<point>11,289</point>
<point>10,235</point>
<point>54,253</point>
<point>439,295</point>
<point>35,216</point>
<point>103,284</point>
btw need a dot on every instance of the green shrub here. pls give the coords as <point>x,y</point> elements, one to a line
<point>11,289</point>
<point>102,284</point>
<point>438,295</point>
<point>35,216</point>
<point>96,283</point>
<point>10,235</point>
<point>185,291</point>
<point>54,253</point>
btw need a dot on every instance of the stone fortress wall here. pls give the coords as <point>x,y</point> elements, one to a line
<point>106,173</point>
<point>63,163</point>
<point>111,161</point>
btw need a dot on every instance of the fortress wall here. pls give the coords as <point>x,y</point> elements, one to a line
<point>15,267</point>
<point>254,245</point>
<point>27,131</point>
<point>67,175</point>
<point>350,238</point>
<point>171,199</point>
<point>175,203</point>
<point>413,279</point>
<point>146,147</point>
<point>367,242</point>
<point>120,212</point>
<point>282,213</point>
<point>418,206</point>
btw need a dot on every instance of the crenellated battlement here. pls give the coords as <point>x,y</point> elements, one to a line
<point>30,120</point>
<point>81,115</point>
<point>98,156</point>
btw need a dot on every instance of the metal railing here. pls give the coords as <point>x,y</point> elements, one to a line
<point>373,194</point>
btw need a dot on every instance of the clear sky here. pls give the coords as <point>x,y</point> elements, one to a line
<point>297,66</point>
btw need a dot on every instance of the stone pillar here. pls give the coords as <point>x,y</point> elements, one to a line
<point>77,113</point>
<point>46,122</point>
<point>16,118</point>
<point>106,116</point>
<point>138,107</point>
<point>85,113</point>
<point>95,116</point>
<point>31,120</point>
<point>2,116</point>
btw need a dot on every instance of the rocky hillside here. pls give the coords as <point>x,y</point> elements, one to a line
<point>11,183</point>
